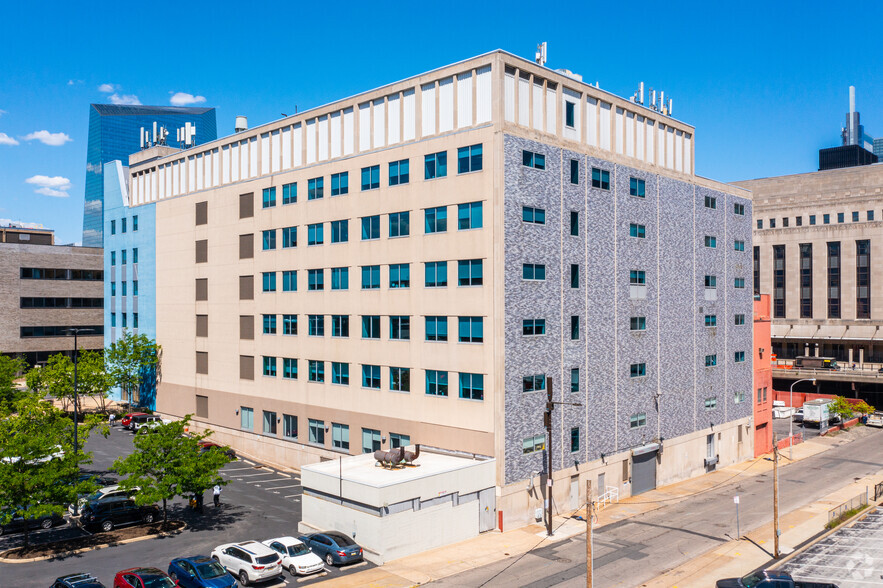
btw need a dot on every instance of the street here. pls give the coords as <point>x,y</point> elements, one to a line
<point>259,503</point>
<point>635,550</point>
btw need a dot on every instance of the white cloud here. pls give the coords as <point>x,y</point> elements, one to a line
<point>74,82</point>
<point>56,186</point>
<point>183,99</point>
<point>7,140</point>
<point>47,138</point>
<point>2,112</point>
<point>106,88</point>
<point>128,99</point>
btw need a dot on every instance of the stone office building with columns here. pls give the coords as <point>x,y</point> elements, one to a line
<point>408,265</point>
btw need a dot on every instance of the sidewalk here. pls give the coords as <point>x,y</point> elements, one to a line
<point>493,547</point>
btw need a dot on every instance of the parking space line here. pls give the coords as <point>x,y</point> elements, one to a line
<point>252,475</point>
<point>281,487</point>
<point>265,481</point>
<point>248,462</point>
<point>236,469</point>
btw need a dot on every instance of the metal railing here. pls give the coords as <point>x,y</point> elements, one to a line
<point>855,502</point>
<point>609,497</point>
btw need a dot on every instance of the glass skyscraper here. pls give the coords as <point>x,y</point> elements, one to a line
<point>115,133</point>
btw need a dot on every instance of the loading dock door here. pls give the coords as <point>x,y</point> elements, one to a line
<point>643,472</point>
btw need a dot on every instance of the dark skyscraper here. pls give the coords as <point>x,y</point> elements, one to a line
<point>115,133</point>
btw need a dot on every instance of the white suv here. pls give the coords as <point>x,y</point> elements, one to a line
<point>250,561</point>
<point>296,557</point>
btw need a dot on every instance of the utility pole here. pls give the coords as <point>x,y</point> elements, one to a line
<point>547,421</point>
<point>589,523</point>
<point>776,496</point>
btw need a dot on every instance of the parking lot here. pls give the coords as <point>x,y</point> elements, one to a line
<point>851,557</point>
<point>259,503</point>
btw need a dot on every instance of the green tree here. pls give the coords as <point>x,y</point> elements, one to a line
<point>128,358</point>
<point>39,469</point>
<point>168,463</point>
<point>863,407</point>
<point>56,378</point>
<point>842,407</point>
<point>10,367</point>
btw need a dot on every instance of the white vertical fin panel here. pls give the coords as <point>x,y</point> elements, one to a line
<point>640,131</point>
<point>574,97</point>
<point>592,121</point>
<point>379,135</point>
<point>265,154</point>
<point>322,131</point>
<point>445,105</point>
<point>200,171</point>
<point>670,147</point>
<point>688,154</point>
<point>394,119</point>
<point>537,108</point>
<point>168,167</point>
<point>365,126</point>
<point>650,131</point>
<point>253,157</point>
<point>618,129</point>
<point>551,118</point>
<point>243,160</point>
<point>604,125</point>
<point>679,151</point>
<point>336,134</point>
<point>234,162</point>
<point>483,94</point>
<point>298,149</point>
<point>154,184</point>
<point>162,182</point>
<point>216,167</point>
<point>225,164</point>
<point>409,116</point>
<point>286,148</point>
<point>191,174</point>
<point>630,134</point>
<point>509,97</point>
<point>464,100</point>
<point>428,108</point>
<point>349,121</point>
<point>523,101</point>
<point>176,175</point>
<point>310,139</point>
<point>276,151</point>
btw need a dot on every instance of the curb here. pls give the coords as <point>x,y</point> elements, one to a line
<point>87,549</point>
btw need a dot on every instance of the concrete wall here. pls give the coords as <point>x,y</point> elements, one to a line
<point>386,538</point>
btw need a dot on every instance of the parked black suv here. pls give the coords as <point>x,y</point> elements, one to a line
<point>107,514</point>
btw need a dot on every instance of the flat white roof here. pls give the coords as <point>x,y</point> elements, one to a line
<point>361,469</point>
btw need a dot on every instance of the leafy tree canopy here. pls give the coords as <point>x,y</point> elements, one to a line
<point>10,367</point>
<point>128,357</point>
<point>167,462</point>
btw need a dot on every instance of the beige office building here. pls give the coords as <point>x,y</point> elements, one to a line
<point>45,290</point>
<point>410,264</point>
<point>817,237</point>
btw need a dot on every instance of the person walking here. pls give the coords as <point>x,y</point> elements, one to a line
<point>111,419</point>
<point>216,493</point>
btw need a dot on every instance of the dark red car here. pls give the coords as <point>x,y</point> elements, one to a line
<point>143,578</point>
<point>206,445</point>
<point>127,419</point>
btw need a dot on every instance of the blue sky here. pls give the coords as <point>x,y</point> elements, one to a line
<point>764,83</point>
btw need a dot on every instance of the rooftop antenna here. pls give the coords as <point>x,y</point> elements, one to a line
<point>669,107</point>
<point>541,54</point>
<point>652,99</point>
<point>641,93</point>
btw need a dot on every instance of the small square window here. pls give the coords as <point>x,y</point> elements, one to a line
<point>637,187</point>
<point>600,178</point>
<point>370,177</point>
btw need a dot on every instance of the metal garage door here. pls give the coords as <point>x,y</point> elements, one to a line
<point>643,472</point>
<point>487,500</point>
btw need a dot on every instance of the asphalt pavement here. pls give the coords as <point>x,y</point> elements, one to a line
<point>635,550</point>
<point>259,503</point>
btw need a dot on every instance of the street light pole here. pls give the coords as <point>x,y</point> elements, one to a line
<point>791,423</point>
<point>76,403</point>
